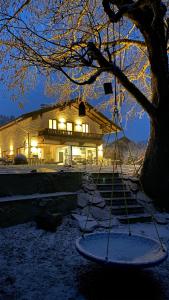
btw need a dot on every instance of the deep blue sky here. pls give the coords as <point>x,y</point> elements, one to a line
<point>137,129</point>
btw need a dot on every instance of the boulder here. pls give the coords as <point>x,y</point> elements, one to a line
<point>48,221</point>
<point>89,187</point>
<point>82,199</point>
<point>100,214</point>
<point>161,219</point>
<point>85,224</point>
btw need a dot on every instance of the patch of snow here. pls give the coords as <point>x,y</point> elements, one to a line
<point>36,265</point>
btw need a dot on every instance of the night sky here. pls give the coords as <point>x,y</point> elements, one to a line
<point>137,129</point>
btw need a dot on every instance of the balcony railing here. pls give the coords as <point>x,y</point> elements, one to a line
<point>55,132</point>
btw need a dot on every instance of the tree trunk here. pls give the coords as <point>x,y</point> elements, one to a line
<point>155,170</point>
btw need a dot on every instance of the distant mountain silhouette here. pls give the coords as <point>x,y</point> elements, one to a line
<point>5,119</point>
<point>123,149</point>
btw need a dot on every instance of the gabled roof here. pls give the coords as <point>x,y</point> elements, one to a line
<point>106,124</point>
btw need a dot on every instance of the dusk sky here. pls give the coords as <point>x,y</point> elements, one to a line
<point>137,129</point>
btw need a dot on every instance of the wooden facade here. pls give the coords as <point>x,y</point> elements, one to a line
<point>56,134</point>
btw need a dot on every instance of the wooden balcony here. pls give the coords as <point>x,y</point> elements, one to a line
<point>49,133</point>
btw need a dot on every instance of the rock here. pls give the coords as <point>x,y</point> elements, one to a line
<point>107,224</point>
<point>86,224</point>
<point>160,219</point>
<point>79,217</point>
<point>96,199</point>
<point>82,199</point>
<point>101,214</point>
<point>101,204</point>
<point>89,226</point>
<point>89,187</point>
<point>48,221</point>
<point>96,212</point>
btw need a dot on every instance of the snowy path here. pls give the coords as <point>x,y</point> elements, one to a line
<point>37,265</point>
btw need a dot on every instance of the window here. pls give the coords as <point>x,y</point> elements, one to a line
<point>85,127</point>
<point>78,127</point>
<point>52,124</point>
<point>69,126</point>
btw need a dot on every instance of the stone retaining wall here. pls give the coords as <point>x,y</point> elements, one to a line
<point>32,183</point>
<point>22,211</point>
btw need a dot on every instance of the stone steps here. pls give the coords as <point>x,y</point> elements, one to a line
<point>114,191</point>
<point>134,218</point>
<point>108,180</point>
<point>120,201</point>
<point>131,209</point>
<point>110,186</point>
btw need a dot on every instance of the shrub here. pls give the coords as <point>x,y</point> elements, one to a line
<point>20,159</point>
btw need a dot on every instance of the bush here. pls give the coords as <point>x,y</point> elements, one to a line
<point>20,159</point>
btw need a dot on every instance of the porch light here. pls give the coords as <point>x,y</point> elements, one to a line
<point>11,150</point>
<point>34,143</point>
<point>62,123</point>
<point>82,109</point>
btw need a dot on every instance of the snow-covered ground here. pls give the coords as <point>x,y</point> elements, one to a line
<point>15,169</point>
<point>39,265</point>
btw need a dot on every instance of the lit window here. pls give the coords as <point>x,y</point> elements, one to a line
<point>78,127</point>
<point>85,128</point>
<point>69,126</point>
<point>52,124</point>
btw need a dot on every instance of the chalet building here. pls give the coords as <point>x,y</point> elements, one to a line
<point>57,134</point>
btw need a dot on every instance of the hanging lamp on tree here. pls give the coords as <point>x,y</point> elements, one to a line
<point>108,88</point>
<point>82,109</point>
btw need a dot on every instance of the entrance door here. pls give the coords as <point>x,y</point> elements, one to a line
<point>61,156</point>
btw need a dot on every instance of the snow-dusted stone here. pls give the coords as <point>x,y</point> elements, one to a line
<point>95,199</point>
<point>101,204</point>
<point>82,199</point>
<point>143,197</point>
<point>89,187</point>
<point>86,211</point>
<point>81,218</point>
<point>86,224</point>
<point>100,213</point>
<point>106,224</point>
<point>161,219</point>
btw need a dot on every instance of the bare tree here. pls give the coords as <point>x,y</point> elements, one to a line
<point>87,41</point>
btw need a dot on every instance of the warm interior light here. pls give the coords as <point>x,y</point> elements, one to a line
<point>76,151</point>
<point>100,148</point>
<point>78,122</point>
<point>100,151</point>
<point>11,150</point>
<point>78,125</point>
<point>62,124</point>
<point>34,143</point>
<point>34,149</point>
<point>62,120</point>
<point>39,152</point>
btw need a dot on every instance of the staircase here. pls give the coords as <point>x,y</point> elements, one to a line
<point>115,192</point>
